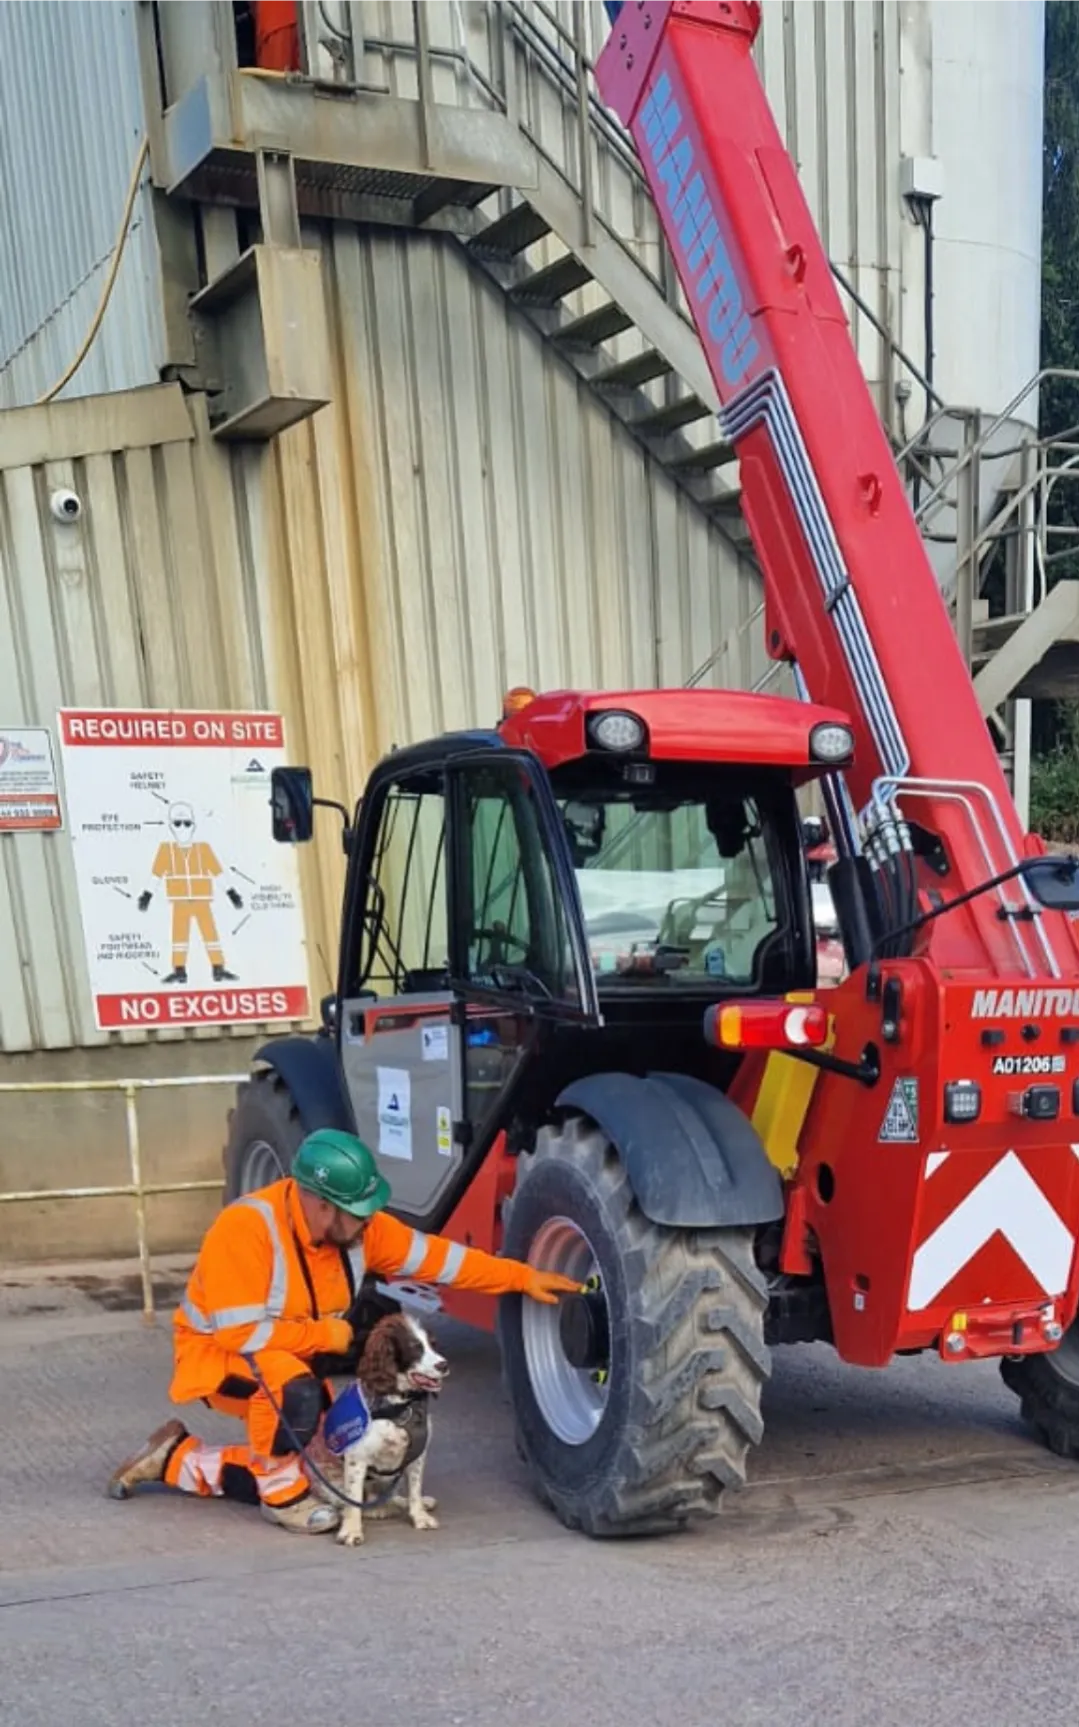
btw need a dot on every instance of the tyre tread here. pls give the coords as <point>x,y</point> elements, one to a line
<point>698,1303</point>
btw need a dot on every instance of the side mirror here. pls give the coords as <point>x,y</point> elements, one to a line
<point>292,799</point>
<point>1054,882</point>
<point>585,827</point>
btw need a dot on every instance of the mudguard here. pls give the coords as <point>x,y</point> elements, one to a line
<point>312,1074</point>
<point>692,1158</point>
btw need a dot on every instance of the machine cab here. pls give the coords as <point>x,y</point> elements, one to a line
<point>562,896</point>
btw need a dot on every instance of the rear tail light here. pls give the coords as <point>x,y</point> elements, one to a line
<point>962,1100</point>
<point>766,1025</point>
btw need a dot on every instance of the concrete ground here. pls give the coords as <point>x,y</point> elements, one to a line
<point>905,1554</point>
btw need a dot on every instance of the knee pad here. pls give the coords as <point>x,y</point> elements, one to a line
<point>301,1405</point>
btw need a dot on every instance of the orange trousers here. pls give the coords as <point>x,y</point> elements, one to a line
<point>260,1469</point>
<point>199,912</point>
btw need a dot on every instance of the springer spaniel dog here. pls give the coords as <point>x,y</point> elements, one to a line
<point>399,1371</point>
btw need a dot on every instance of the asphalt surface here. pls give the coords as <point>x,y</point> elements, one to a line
<point>904,1554</point>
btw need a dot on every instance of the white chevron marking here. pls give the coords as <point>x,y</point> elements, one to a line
<point>934,1161</point>
<point>1008,1201</point>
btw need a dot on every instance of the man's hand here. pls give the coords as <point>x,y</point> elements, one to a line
<point>235,898</point>
<point>335,1336</point>
<point>547,1286</point>
<point>144,899</point>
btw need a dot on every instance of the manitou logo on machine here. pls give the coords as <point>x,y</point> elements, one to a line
<point>1025,1004</point>
<point>722,319</point>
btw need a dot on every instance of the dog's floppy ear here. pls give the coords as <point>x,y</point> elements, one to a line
<point>407,1344</point>
<point>381,1357</point>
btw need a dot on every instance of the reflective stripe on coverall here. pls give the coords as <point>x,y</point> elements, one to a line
<point>262,1287</point>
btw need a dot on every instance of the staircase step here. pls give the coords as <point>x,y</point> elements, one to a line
<point>511,234</point>
<point>548,286</point>
<point>464,194</point>
<point>631,374</point>
<point>672,418</point>
<point>594,328</point>
<point>728,503</point>
<point>703,461</point>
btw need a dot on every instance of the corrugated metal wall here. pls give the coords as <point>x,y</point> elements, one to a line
<point>464,517</point>
<point>150,599</point>
<point>832,72</point>
<point>71,121</point>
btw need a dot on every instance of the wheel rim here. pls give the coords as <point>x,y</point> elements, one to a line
<point>572,1400</point>
<point>261,1165</point>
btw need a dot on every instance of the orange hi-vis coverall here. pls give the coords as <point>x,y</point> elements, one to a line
<point>188,873</point>
<point>262,1288</point>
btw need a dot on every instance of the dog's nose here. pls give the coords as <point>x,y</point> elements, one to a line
<point>442,1365</point>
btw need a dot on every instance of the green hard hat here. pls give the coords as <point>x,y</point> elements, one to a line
<point>339,1168</point>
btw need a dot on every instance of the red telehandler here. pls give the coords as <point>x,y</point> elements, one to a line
<point>576,1013</point>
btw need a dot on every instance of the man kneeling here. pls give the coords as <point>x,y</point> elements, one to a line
<point>276,1272</point>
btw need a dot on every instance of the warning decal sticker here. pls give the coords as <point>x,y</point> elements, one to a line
<point>900,1124</point>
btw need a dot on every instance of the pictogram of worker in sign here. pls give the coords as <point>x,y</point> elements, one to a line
<point>189,867</point>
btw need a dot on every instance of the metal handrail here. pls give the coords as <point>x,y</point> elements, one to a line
<point>138,1188</point>
<point>979,448</point>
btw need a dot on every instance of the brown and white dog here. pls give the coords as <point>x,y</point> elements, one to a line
<point>399,1371</point>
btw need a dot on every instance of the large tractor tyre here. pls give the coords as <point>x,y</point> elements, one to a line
<point>264,1133</point>
<point>1048,1390</point>
<point>636,1403</point>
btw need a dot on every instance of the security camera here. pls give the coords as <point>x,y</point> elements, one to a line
<point>65,506</point>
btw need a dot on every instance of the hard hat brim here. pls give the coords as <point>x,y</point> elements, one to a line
<point>376,1201</point>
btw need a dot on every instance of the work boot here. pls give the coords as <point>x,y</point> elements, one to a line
<point>149,1463</point>
<point>334,1471</point>
<point>177,976</point>
<point>223,976</point>
<point>306,1516</point>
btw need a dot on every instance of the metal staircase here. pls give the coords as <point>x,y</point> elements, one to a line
<point>987,498</point>
<point>483,122</point>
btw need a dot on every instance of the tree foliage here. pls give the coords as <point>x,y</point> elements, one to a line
<point>1060,213</point>
<point>1054,800</point>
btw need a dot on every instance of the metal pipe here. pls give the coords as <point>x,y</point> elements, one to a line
<point>134,1152</point>
<point>882,330</point>
<point>584,130</point>
<point>122,1190</point>
<point>169,1084</point>
<point>425,78</point>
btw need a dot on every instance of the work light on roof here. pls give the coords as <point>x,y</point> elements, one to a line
<point>831,743</point>
<point>616,731</point>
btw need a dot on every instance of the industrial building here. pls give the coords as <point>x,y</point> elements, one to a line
<point>393,404</point>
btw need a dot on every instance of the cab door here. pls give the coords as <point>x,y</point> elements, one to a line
<point>470,932</point>
<point>517,940</point>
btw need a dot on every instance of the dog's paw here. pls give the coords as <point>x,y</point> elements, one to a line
<point>347,1537</point>
<point>424,1520</point>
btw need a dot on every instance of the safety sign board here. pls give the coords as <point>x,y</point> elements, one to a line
<point>900,1124</point>
<point>191,912</point>
<point>29,797</point>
